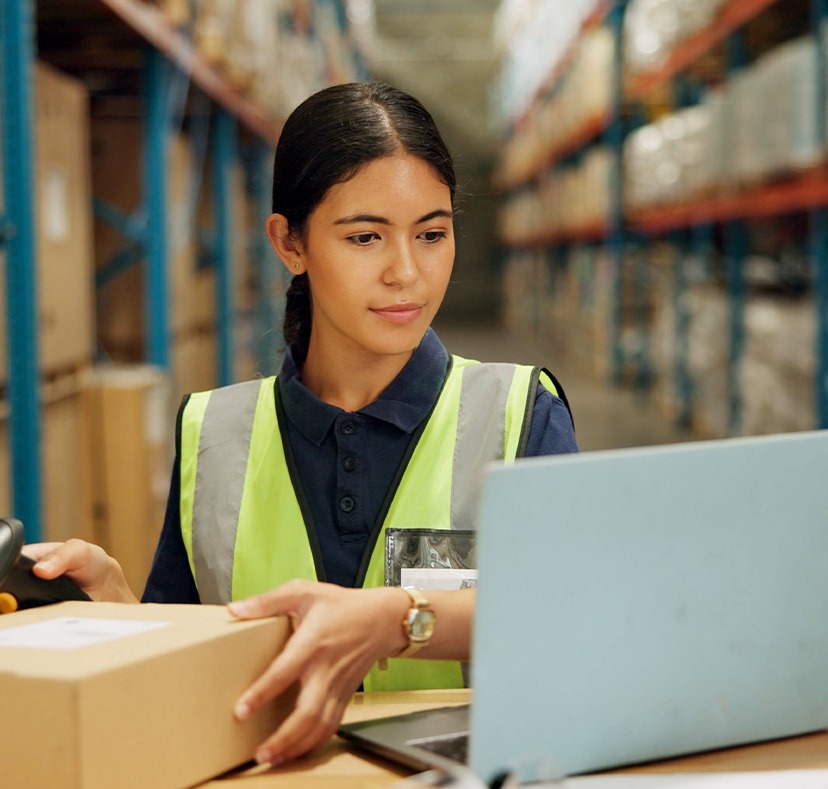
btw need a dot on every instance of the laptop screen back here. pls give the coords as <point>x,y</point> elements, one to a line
<point>638,604</point>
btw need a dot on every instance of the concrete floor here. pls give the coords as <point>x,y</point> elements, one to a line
<point>606,417</point>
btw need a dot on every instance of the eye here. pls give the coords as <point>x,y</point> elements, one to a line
<point>432,236</point>
<point>363,239</point>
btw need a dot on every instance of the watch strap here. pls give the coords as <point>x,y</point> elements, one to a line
<point>419,602</point>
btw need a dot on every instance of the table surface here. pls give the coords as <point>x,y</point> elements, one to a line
<point>339,766</point>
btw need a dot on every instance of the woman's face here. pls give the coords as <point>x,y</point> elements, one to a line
<point>379,253</point>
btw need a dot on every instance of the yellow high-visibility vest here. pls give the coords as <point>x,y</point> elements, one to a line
<point>243,526</point>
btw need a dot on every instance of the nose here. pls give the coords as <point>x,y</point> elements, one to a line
<point>402,268</point>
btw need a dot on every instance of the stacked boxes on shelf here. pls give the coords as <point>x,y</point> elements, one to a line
<point>116,147</point>
<point>568,200</point>
<point>761,124</point>
<point>753,131</point>
<point>532,39</point>
<point>276,52</point>
<point>105,470</point>
<point>65,298</point>
<point>582,98</point>
<point>652,28</point>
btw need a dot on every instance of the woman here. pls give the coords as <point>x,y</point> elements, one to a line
<point>370,425</point>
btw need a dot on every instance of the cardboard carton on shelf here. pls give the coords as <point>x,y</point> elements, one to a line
<point>65,474</point>
<point>63,222</point>
<point>130,446</point>
<point>98,695</point>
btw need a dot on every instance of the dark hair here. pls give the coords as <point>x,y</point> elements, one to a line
<point>324,142</point>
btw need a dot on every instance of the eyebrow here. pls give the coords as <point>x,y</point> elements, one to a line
<point>381,220</point>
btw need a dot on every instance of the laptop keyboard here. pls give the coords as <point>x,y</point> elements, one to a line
<point>452,746</point>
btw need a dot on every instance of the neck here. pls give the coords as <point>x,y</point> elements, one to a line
<point>353,383</point>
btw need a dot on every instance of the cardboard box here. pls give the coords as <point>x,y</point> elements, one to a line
<point>194,363</point>
<point>63,218</point>
<point>148,709</point>
<point>64,467</point>
<point>131,437</point>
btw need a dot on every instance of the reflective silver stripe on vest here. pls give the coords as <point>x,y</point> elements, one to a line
<point>481,428</point>
<point>223,450</point>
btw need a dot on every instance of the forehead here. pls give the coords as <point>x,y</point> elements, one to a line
<point>396,184</point>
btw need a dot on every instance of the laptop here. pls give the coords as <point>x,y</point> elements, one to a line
<point>639,604</point>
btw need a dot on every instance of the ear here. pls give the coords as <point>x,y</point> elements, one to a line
<point>289,252</point>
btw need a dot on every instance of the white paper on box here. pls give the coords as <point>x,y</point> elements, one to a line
<point>56,203</point>
<point>73,632</point>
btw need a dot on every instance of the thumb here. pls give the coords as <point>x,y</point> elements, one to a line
<point>278,601</point>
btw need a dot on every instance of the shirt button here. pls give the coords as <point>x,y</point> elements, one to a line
<point>346,504</point>
<point>348,428</point>
<point>350,463</point>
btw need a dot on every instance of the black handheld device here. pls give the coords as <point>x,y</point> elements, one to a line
<point>19,587</point>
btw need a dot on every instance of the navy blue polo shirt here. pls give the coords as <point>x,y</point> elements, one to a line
<point>346,462</point>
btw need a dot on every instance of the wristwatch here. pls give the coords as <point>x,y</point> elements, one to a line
<point>418,624</point>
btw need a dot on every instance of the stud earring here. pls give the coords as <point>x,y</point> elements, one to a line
<point>296,267</point>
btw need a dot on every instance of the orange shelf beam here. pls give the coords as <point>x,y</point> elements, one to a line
<point>588,131</point>
<point>149,22</point>
<point>788,197</point>
<point>729,19</point>
<point>594,231</point>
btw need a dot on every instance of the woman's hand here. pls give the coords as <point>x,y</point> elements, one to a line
<point>88,565</point>
<point>338,635</point>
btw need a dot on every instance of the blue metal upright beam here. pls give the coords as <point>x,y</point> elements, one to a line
<point>615,139</point>
<point>819,226</point>
<point>17,45</point>
<point>155,170</point>
<point>736,249</point>
<point>272,277</point>
<point>819,255</point>
<point>736,245</point>
<point>681,362</point>
<point>224,147</point>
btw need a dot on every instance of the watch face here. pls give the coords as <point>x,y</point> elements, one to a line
<point>420,624</point>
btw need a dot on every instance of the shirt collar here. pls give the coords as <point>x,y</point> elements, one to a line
<point>404,403</point>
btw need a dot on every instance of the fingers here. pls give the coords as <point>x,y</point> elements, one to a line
<point>280,675</point>
<point>314,719</point>
<point>38,551</point>
<point>57,558</point>
<point>285,599</point>
<point>88,565</point>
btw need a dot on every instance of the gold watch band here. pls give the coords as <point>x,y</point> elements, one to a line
<point>418,624</point>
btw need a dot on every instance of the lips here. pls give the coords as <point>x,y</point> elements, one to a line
<point>399,313</point>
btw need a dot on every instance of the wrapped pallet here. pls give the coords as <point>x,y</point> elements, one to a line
<point>778,367</point>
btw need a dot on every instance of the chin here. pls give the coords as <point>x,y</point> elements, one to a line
<point>399,343</point>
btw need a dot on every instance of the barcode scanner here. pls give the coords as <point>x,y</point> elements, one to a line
<point>19,587</point>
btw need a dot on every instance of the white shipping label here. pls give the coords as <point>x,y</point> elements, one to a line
<point>73,632</point>
<point>55,203</point>
<point>156,407</point>
<point>437,579</point>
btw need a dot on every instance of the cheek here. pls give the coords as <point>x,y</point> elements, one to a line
<point>441,268</point>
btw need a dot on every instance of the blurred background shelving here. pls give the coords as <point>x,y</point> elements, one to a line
<point>665,218</point>
<point>644,204</point>
<point>137,143</point>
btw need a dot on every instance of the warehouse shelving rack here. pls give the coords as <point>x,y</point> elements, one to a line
<point>147,50</point>
<point>692,225</point>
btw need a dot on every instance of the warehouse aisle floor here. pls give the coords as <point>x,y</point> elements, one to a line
<point>606,417</point>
